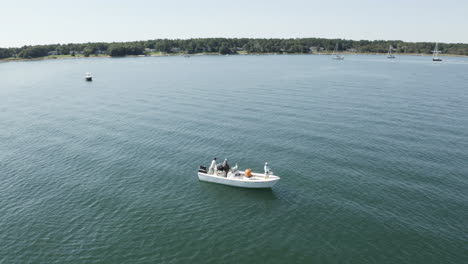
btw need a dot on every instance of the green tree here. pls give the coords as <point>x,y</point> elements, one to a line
<point>33,52</point>
<point>87,51</point>
<point>5,53</point>
<point>224,49</point>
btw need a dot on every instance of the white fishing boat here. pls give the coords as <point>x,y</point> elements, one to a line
<point>335,56</point>
<point>435,54</point>
<point>88,77</point>
<point>222,174</point>
<point>389,54</point>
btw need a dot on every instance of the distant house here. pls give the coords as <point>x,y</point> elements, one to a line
<point>100,52</point>
<point>76,52</point>
<point>149,50</point>
<point>351,50</point>
<point>54,52</point>
<point>175,49</point>
<point>314,49</point>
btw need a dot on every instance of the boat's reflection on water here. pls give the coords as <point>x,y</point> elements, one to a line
<point>245,193</point>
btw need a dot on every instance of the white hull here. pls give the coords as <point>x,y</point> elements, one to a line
<point>88,77</point>
<point>256,181</point>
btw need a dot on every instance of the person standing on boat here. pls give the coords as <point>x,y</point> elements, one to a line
<point>267,170</point>
<point>212,169</point>
<point>225,167</point>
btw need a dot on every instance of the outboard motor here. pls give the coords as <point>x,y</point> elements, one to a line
<point>202,169</point>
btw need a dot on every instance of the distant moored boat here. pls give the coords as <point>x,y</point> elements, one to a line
<point>88,77</point>
<point>336,56</point>
<point>435,54</point>
<point>389,54</point>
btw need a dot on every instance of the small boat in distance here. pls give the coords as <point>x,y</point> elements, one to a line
<point>389,54</point>
<point>88,77</point>
<point>223,174</point>
<point>335,56</point>
<point>435,54</point>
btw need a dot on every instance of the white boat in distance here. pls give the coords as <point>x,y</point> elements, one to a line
<point>88,77</point>
<point>336,56</point>
<point>389,54</point>
<point>435,54</point>
<point>238,178</point>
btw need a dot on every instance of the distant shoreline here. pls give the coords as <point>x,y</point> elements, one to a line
<point>60,57</point>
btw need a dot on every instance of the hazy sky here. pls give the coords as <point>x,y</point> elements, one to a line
<point>26,22</point>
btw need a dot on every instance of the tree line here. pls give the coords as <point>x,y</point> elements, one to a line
<point>231,46</point>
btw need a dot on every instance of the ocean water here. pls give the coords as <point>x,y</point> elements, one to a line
<point>372,155</point>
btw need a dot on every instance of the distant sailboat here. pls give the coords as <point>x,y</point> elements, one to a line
<point>389,54</point>
<point>435,54</point>
<point>335,56</point>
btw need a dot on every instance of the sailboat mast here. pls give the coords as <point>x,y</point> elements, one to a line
<point>435,54</point>
<point>436,51</point>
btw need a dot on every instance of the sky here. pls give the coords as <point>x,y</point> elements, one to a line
<point>31,22</point>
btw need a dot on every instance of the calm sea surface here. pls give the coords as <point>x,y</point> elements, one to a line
<point>372,154</point>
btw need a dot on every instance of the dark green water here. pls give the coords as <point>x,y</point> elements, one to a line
<point>373,155</point>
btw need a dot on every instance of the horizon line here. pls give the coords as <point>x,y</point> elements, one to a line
<point>10,47</point>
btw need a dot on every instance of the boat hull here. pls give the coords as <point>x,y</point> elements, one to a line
<point>256,181</point>
<point>89,79</point>
<point>435,59</point>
